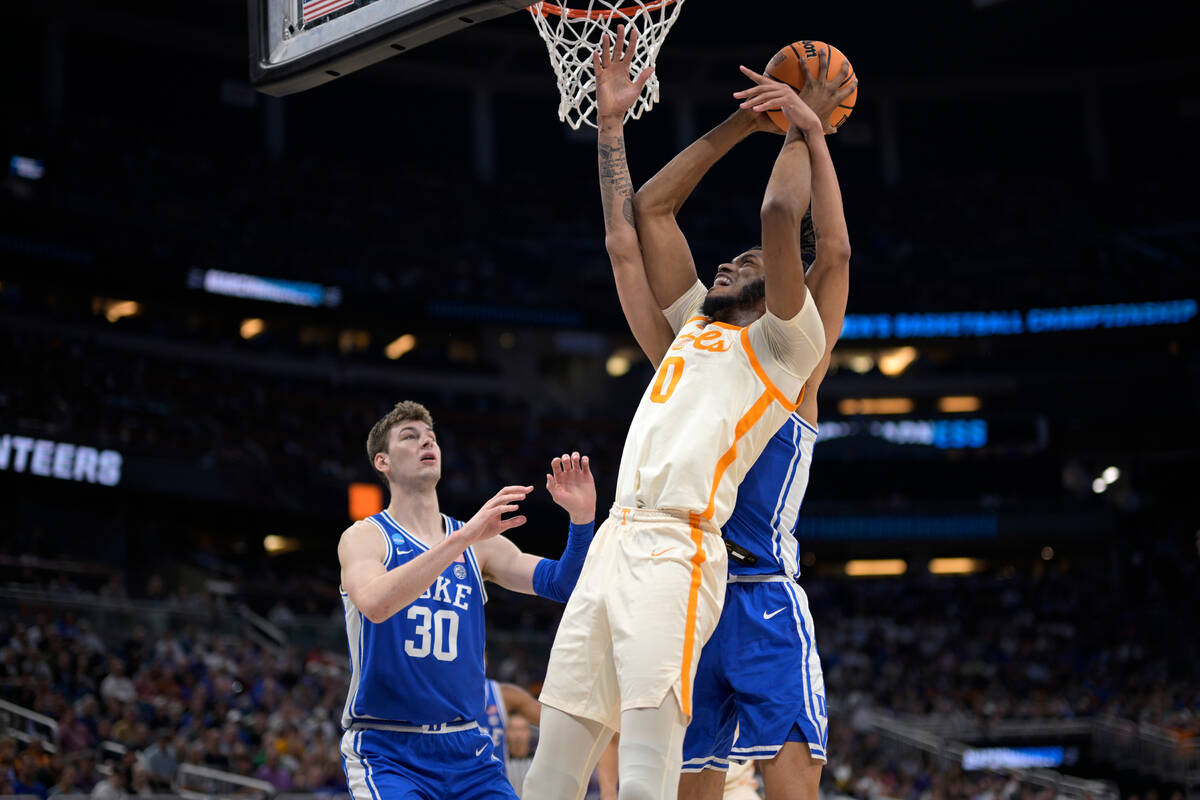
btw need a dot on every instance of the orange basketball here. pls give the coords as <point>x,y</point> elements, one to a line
<point>785,66</point>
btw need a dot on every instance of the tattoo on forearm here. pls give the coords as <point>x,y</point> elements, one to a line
<point>615,183</point>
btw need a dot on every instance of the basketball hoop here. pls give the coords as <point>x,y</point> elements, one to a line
<point>572,35</point>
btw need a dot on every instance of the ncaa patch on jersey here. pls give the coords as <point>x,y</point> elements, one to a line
<point>397,538</point>
<point>460,571</point>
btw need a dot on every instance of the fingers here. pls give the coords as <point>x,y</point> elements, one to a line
<point>823,62</point>
<point>507,495</point>
<point>605,57</point>
<point>510,523</point>
<point>771,97</point>
<point>756,89</point>
<point>642,77</point>
<point>754,76</point>
<point>847,90</point>
<point>627,55</point>
<point>567,469</point>
<point>844,72</point>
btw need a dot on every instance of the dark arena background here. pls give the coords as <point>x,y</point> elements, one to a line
<point>208,295</point>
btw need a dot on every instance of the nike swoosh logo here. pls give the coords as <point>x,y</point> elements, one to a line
<point>773,613</point>
<point>479,752</point>
<point>660,552</point>
<point>400,552</point>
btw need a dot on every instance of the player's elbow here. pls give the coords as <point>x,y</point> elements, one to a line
<point>648,204</point>
<point>372,609</point>
<point>376,615</point>
<point>838,249</point>
<point>622,245</point>
<point>781,211</point>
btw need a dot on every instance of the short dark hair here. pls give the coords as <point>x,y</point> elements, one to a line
<point>377,439</point>
<point>808,239</point>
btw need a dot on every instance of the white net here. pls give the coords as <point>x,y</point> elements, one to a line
<point>572,35</point>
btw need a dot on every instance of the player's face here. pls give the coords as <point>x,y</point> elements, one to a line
<point>518,736</point>
<point>734,276</point>
<point>413,452</point>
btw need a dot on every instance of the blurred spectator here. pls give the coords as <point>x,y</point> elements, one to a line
<point>73,735</point>
<point>25,776</point>
<point>116,685</point>
<point>112,787</point>
<point>68,782</point>
<point>160,758</point>
<point>272,772</point>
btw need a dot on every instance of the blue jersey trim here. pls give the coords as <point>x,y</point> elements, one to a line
<point>810,701</point>
<point>387,515</point>
<point>387,562</point>
<point>802,421</point>
<point>371,787</point>
<point>777,517</point>
<point>452,525</point>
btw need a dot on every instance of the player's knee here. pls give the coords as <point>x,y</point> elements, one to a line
<point>547,782</point>
<point>647,773</point>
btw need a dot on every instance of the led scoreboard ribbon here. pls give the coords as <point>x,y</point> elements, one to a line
<point>954,324</point>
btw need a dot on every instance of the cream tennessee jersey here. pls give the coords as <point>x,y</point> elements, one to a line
<point>719,395</point>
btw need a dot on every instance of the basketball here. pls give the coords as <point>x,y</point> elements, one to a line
<point>785,66</point>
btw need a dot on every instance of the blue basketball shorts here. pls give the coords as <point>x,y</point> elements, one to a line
<point>759,682</point>
<point>392,765</point>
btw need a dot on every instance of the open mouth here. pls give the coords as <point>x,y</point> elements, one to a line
<point>722,280</point>
<point>430,458</point>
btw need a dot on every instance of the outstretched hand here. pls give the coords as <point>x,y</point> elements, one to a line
<point>571,485</point>
<point>823,92</point>
<point>615,91</point>
<point>489,521</point>
<point>770,93</point>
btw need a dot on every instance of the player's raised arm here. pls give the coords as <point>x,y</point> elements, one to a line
<point>615,93</point>
<point>669,265</point>
<point>379,593</point>
<point>828,277</point>
<point>519,701</point>
<point>571,485</point>
<point>786,199</point>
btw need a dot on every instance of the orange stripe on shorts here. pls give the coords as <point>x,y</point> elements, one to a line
<point>689,634</point>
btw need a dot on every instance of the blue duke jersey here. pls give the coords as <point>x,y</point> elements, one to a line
<point>494,719</point>
<point>424,664</point>
<point>767,511</point>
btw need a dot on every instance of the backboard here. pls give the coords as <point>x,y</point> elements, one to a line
<point>298,44</point>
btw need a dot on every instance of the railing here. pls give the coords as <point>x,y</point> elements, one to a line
<point>947,753</point>
<point>1149,749</point>
<point>24,724</point>
<point>200,783</point>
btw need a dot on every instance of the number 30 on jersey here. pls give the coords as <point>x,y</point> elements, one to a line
<point>436,633</point>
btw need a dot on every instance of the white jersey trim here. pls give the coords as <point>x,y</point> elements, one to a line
<point>387,541</point>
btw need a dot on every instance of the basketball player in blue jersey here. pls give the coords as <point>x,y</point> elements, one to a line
<point>412,587</point>
<point>759,675</point>
<point>499,701</point>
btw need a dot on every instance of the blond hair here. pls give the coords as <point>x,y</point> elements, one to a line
<point>377,439</point>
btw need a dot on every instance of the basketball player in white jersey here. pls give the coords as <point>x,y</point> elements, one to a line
<point>412,587</point>
<point>651,590</point>
<point>781,724</point>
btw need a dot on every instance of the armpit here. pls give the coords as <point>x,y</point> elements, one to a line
<point>793,346</point>
<point>686,306</point>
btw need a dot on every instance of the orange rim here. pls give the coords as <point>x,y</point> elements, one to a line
<point>629,12</point>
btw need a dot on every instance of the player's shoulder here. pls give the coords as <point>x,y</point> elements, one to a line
<point>363,533</point>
